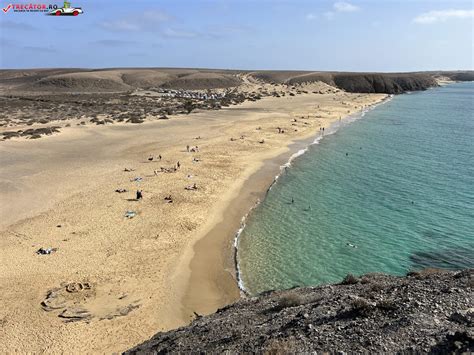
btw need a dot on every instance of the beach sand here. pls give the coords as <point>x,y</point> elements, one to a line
<point>117,280</point>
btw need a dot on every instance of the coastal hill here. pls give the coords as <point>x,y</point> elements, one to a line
<point>129,79</point>
<point>430,311</point>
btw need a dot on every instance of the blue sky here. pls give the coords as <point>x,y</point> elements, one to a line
<point>370,35</point>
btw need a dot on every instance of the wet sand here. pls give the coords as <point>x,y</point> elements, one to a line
<point>151,272</point>
<point>217,246</point>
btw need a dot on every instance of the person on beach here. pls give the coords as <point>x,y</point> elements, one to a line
<point>139,195</point>
<point>187,148</point>
<point>159,157</point>
<point>178,165</point>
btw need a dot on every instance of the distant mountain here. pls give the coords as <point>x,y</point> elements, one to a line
<point>128,79</point>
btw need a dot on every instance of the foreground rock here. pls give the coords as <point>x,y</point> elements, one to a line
<point>429,312</point>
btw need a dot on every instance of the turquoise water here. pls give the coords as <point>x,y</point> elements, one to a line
<point>401,199</point>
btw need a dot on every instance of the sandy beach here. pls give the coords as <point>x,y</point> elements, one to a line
<point>115,281</point>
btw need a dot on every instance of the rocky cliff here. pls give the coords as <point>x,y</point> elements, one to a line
<point>388,83</point>
<point>425,312</point>
<point>384,83</point>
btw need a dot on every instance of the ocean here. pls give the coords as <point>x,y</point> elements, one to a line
<point>391,192</point>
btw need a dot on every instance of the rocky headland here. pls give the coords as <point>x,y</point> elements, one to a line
<point>430,311</point>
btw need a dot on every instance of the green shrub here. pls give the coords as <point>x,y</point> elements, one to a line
<point>350,280</point>
<point>387,305</point>
<point>290,300</point>
<point>282,347</point>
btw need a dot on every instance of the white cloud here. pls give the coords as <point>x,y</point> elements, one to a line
<point>36,49</point>
<point>156,16</point>
<point>329,15</point>
<point>344,7</point>
<point>340,6</point>
<point>120,25</point>
<point>227,30</point>
<point>148,20</point>
<point>16,26</point>
<point>442,16</point>
<point>172,33</point>
<point>112,43</point>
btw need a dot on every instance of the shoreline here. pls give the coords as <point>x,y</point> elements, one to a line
<point>250,193</point>
<point>143,267</point>
<point>333,128</point>
<point>250,197</point>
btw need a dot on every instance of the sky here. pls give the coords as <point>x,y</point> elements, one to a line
<point>365,35</point>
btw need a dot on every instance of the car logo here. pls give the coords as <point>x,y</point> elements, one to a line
<point>66,10</point>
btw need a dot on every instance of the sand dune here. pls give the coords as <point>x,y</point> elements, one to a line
<point>201,81</point>
<point>146,78</point>
<point>79,82</point>
<point>114,80</point>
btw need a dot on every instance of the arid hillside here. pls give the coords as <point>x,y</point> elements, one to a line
<point>128,79</point>
<point>426,312</point>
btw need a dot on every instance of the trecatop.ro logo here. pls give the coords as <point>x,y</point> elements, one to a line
<point>48,9</point>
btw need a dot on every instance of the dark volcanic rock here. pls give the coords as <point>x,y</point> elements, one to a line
<point>383,83</point>
<point>462,76</point>
<point>388,83</point>
<point>426,312</point>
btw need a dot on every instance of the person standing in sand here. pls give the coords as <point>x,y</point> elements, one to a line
<point>139,195</point>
